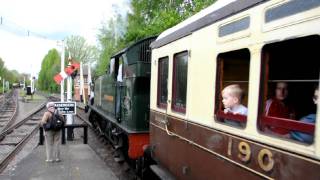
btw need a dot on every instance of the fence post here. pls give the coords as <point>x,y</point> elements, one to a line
<point>63,136</point>
<point>85,135</point>
<point>41,137</point>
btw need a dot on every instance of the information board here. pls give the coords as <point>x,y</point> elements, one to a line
<point>66,107</point>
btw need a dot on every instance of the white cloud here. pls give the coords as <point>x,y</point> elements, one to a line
<point>52,19</point>
<point>24,54</point>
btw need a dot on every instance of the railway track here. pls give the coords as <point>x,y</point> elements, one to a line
<point>104,149</point>
<point>8,109</point>
<point>14,137</point>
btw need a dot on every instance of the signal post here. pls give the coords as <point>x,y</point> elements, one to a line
<point>68,73</point>
<point>69,99</point>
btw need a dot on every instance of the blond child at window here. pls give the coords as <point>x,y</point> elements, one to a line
<point>231,100</point>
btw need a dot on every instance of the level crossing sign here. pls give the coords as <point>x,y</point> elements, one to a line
<point>66,107</point>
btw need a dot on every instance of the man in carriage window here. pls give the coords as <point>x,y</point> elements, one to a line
<point>311,118</point>
<point>279,106</point>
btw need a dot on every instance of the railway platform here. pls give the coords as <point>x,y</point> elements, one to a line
<point>78,162</point>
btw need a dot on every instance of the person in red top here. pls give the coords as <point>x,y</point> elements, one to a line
<point>278,106</point>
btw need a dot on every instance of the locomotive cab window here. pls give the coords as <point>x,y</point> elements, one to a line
<point>115,68</point>
<point>180,76</point>
<point>110,71</point>
<point>162,82</point>
<point>232,87</point>
<point>290,76</point>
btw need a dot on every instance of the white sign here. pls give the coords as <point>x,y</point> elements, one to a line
<point>66,107</point>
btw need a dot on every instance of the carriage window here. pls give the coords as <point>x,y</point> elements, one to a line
<point>114,67</point>
<point>234,27</point>
<point>232,87</point>
<point>162,82</point>
<point>180,72</point>
<point>289,8</point>
<point>289,88</point>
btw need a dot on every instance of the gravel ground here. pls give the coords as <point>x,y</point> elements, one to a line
<point>26,105</point>
<point>105,152</point>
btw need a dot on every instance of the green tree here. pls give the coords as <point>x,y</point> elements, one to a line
<point>153,17</point>
<point>12,76</point>
<point>198,5</point>
<point>80,50</point>
<point>2,68</point>
<point>50,66</point>
<point>147,18</point>
<point>111,41</point>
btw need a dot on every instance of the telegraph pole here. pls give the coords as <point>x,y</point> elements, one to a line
<point>62,70</point>
<point>89,79</point>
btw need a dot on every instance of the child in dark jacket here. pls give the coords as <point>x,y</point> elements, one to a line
<point>311,118</point>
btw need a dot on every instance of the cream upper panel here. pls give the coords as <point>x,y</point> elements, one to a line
<point>156,54</point>
<point>205,46</point>
<point>169,50</point>
<point>298,25</point>
<point>201,76</point>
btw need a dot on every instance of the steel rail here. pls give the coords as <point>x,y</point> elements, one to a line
<point>4,162</point>
<point>7,159</point>
<point>27,118</point>
<point>11,120</point>
<point>39,108</point>
<point>82,118</point>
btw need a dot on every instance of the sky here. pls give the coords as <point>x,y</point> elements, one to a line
<point>48,22</point>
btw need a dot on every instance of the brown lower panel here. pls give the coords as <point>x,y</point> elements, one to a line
<point>198,152</point>
<point>189,162</point>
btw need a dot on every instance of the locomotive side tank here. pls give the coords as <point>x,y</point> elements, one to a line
<point>121,107</point>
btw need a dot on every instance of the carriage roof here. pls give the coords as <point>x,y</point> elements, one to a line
<point>216,12</point>
<point>122,51</point>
